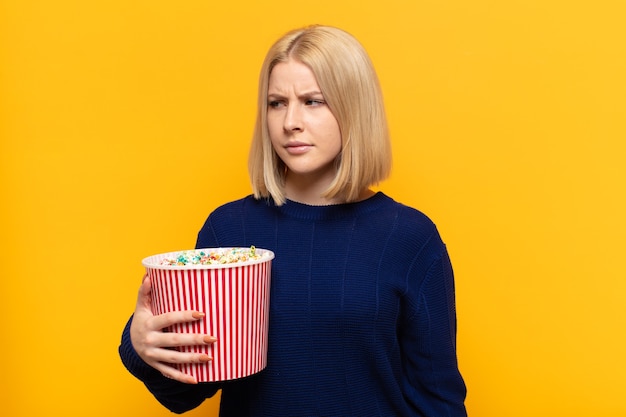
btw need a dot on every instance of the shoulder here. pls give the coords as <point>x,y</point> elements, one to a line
<point>227,224</point>
<point>233,205</point>
<point>412,231</point>
<point>237,207</point>
<point>241,212</point>
<point>408,218</point>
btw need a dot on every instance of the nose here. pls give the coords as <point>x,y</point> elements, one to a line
<point>293,119</point>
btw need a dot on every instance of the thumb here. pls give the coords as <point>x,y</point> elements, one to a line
<point>144,298</point>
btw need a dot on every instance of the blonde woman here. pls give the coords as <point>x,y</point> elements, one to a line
<point>362,310</point>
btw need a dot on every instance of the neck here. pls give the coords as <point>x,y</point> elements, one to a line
<point>313,195</point>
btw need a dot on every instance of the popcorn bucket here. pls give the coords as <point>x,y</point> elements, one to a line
<point>234,297</point>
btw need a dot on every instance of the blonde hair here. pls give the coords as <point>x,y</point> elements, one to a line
<point>350,87</point>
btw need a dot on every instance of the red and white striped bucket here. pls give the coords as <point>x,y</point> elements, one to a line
<point>235,300</point>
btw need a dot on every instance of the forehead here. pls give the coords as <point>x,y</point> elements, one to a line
<point>292,75</point>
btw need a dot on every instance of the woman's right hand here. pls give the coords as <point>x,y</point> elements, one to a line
<point>154,345</point>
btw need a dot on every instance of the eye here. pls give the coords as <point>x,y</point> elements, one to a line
<point>275,104</point>
<point>315,102</point>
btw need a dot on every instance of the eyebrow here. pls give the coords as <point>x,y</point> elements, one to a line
<point>306,94</point>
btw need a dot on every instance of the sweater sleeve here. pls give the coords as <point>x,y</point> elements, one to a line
<point>432,381</point>
<point>175,396</point>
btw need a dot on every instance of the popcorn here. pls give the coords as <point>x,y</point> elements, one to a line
<point>213,256</point>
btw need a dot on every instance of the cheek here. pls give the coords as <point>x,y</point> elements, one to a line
<point>275,140</point>
<point>334,134</point>
<point>273,130</point>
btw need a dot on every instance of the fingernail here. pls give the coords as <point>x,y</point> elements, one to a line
<point>197,315</point>
<point>209,339</point>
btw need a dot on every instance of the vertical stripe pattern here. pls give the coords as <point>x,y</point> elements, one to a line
<point>235,299</point>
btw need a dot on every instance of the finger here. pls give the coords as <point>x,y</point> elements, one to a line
<point>181,339</point>
<point>145,292</point>
<point>170,356</point>
<point>176,317</point>
<point>173,373</point>
<point>146,283</point>
<point>163,360</point>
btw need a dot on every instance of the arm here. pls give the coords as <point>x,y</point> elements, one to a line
<point>145,351</point>
<point>432,381</point>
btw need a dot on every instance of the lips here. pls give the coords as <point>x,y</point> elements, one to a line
<point>297,148</point>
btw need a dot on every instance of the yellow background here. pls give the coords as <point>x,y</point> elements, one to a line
<point>124,123</point>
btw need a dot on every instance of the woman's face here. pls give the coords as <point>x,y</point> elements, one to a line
<point>303,131</point>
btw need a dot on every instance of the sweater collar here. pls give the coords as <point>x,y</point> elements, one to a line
<point>333,211</point>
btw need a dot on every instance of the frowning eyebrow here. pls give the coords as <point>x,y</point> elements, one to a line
<point>306,94</point>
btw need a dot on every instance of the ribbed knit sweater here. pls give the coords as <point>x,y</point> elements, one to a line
<point>362,314</point>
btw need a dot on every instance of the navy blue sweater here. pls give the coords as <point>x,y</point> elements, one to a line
<point>362,314</point>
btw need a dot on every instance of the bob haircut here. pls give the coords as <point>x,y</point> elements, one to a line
<point>350,86</point>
